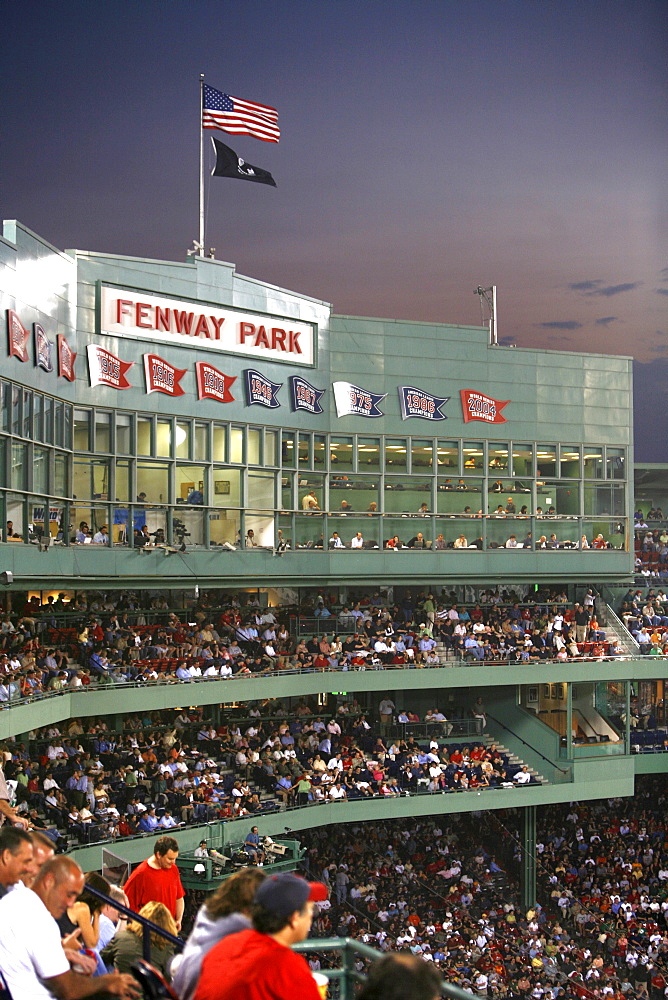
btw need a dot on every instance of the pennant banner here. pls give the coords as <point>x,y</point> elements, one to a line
<point>260,390</point>
<point>212,384</point>
<point>350,398</point>
<point>106,369</point>
<point>162,377</point>
<point>304,396</point>
<point>66,359</point>
<point>417,403</point>
<point>43,348</point>
<point>18,336</point>
<point>477,406</point>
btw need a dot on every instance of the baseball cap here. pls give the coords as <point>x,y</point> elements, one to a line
<point>283,894</point>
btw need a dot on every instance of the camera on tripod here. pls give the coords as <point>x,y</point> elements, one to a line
<point>180,529</point>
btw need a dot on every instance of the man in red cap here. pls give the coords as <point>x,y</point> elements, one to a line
<point>258,964</point>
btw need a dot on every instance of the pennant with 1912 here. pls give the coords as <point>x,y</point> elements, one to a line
<point>304,396</point>
<point>260,390</point>
<point>350,399</point>
<point>418,403</point>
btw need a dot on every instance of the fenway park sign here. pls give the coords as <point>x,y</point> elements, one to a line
<point>128,313</point>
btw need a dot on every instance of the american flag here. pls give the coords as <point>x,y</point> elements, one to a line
<point>239,117</point>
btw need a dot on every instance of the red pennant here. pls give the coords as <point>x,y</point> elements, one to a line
<point>18,336</point>
<point>162,377</point>
<point>477,406</point>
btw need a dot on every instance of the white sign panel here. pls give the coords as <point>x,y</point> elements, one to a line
<point>127,313</point>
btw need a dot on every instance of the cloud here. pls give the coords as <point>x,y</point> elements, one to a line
<point>606,320</point>
<point>585,286</point>
<point>561,324</point>
<point>611,290</point>
<point>662,291</point>
<point>506,341</point>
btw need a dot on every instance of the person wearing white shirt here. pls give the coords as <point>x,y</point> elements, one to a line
<point>335,541</point>
<point>357,542</point>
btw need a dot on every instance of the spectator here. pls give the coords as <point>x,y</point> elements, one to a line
<point>126,948</point>
<point>16,857</point>
<point>282,914</point>
<point>157,880</point>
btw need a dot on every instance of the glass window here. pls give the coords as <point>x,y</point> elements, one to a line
<point>523,460</point>
<point>287,491</point>
<point>341,454</point>
<point>474,455</point>
<point>102,431</point>
<point>153,480</point>
<point>310,486</point>
<point>368,454</point>
<point>593,463</point>
<point>5,406</point>
<point>605,499</point>
<point>38,404</point>
<point>237,445</point>
<point>182,437</point>
<point>422,455</point>
<point>3,466</point>
<point>67,426</point>
<point>497,457</point>
<point>254,437</point>
<point>405,495</point>
<point>261,490</point>
<point>395,455</point>
<point>123,480</point>
<point>27,414</point>
<point>19,471</point>
<point>191,484</point>
<point>616,463</point>
<point>40,470</point>
<point>201,442</point>
<point>569,461</point>
<point>82,420</point>
<point>270,448</point>
<point>546,461</point>
<point>319,451</point>
<point>305,451</point>
<point>288,449</point>
<point>163,439</point>
<point>355,494</point>
<point>224,525</point>
<point>16,410</point>
<point>48,420</point>
<point>144,436</point>
<point>447,455</point>
<point>558,499</point>
<point>220,442</point>
<point>60,475</point>
<point>124,433</point>
<point>226,489</point>
<point>460,496</point>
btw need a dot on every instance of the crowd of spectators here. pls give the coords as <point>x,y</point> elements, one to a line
<point>110,640</point>
<point>646,618</point>
<point>87,784</point>
<point>447,889</point>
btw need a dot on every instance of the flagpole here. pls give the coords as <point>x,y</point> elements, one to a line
<point>201,166</point>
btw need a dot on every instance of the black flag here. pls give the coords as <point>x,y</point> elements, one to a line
<point>228,164</point>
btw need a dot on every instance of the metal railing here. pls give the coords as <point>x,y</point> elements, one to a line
<point>148,927</point>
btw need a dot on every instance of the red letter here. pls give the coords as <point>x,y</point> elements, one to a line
<point>245,330</point>
<point>122,306</point>
<point>217,324</point>
<point>277,338</point>
<point>184,321</point>
<point>294,347</point>
<point>141,309</point>
<point>202,327</point>
<point>162,318</point>
<point>262,340</point>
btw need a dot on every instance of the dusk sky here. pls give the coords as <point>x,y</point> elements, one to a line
<point>427,147</point>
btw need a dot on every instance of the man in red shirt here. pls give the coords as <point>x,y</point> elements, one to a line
<point>258,964</point>
<point>157,880</point>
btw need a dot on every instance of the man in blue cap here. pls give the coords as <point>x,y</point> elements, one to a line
<point>258,964</point>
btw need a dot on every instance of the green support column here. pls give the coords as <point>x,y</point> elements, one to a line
<point>528,863</point>
<point>627,724</point>
<point>569,721</point>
